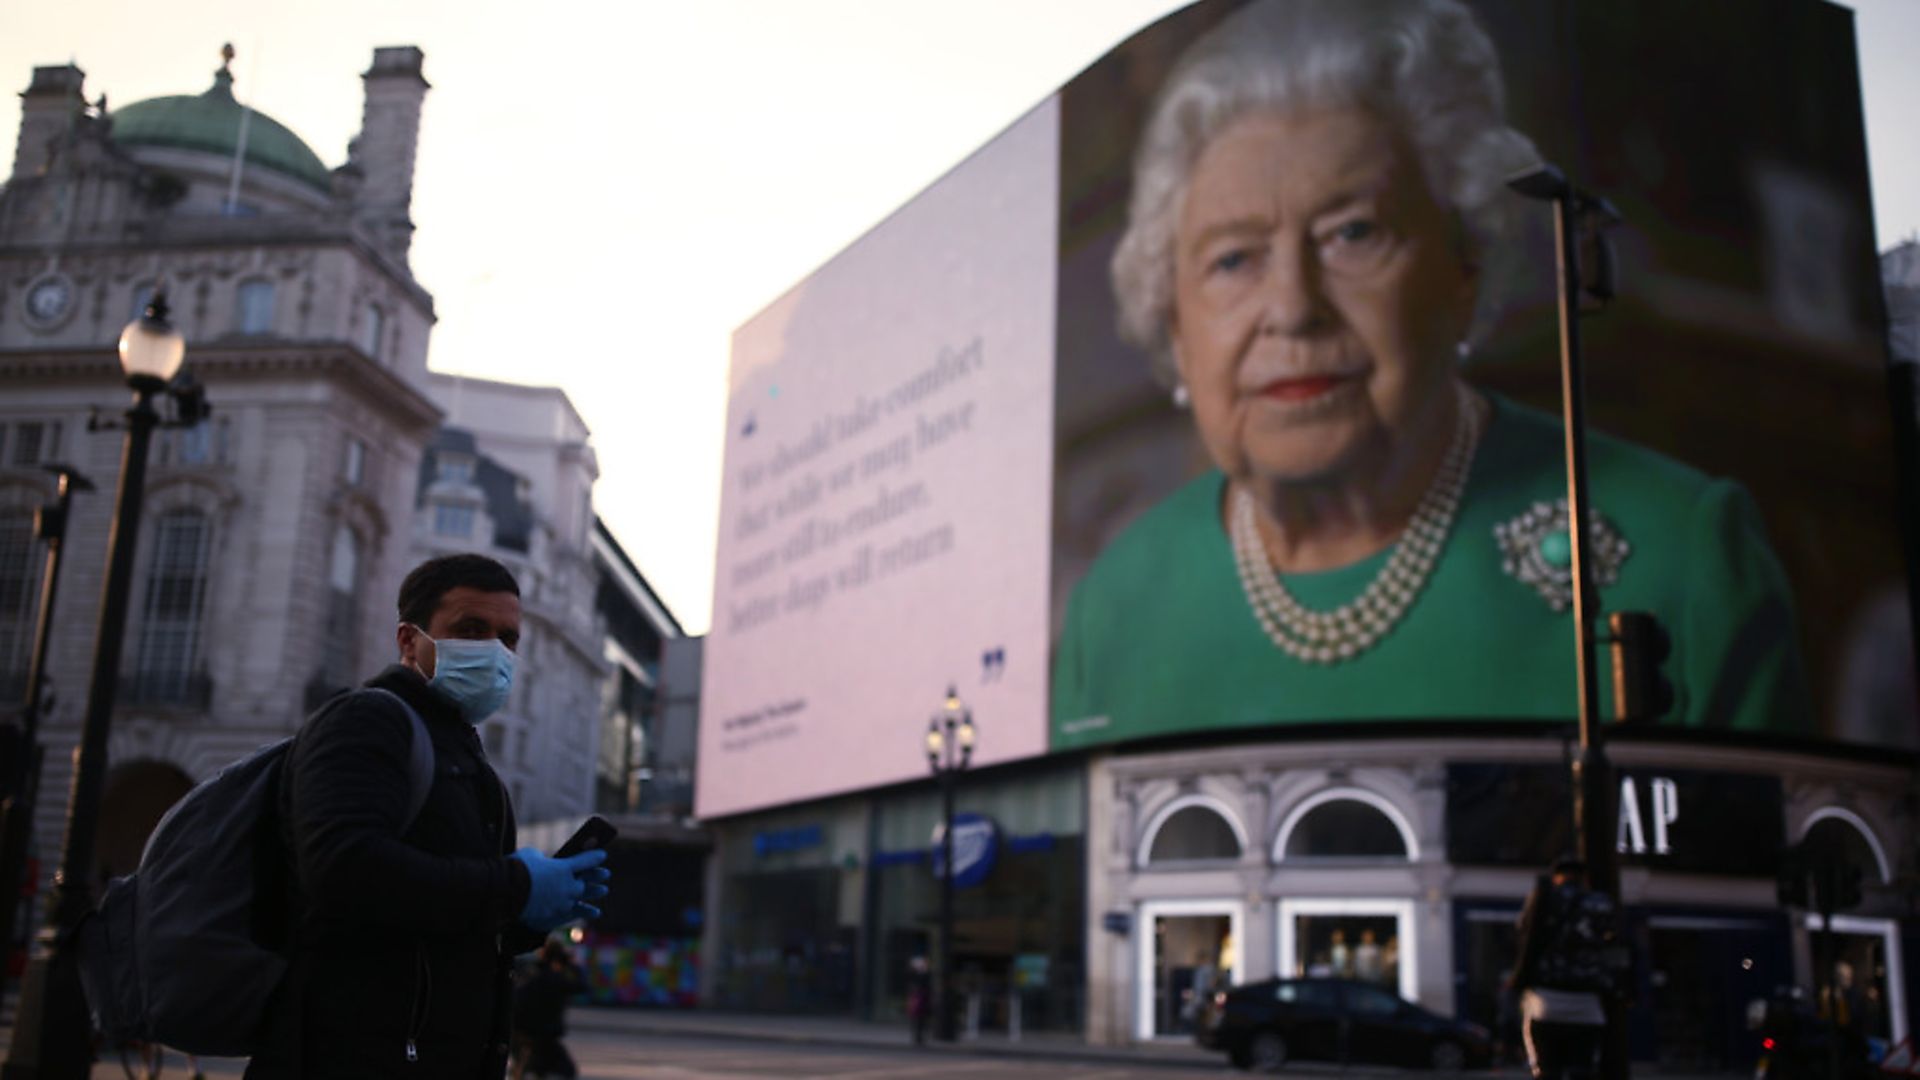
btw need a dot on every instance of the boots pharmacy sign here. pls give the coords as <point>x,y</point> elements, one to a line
<point>976,843</point>
<point>1671,819</point>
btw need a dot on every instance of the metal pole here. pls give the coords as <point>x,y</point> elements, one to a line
<point>947,771</point>
<point>1827,887</point>
<point>52,1035</point>
<point>1592,827</point>
<point>23,786</point>
<point>1593,806</point>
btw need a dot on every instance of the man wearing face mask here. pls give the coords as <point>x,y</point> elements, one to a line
<point>403,931</point>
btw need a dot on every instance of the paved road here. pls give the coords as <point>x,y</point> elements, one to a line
<point>609,1056</point>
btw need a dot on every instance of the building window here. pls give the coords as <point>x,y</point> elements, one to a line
<point>1342,825</point>
<point>1191,832</point>
<point>205,443</point>
<point>19,600</point>
<point>256,307</point>
<point>343,576</point>
<point>201,443</point>
<point>164,672</point>
<point>370,332</point>
<point>455,469</point>
<point>453,519</point>
<point>34,442</point>
<point>1371,941</point>
<point>1839,831</point>
<point>354,471</point>
<point>142,296</point>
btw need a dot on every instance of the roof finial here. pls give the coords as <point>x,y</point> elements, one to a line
<point>223,79</point>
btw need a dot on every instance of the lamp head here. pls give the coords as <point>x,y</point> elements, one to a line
<point>1542,181</point>
<point>151,350</point>
<point>70,477</point>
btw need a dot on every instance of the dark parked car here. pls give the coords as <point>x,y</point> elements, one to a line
<point>1264,1025</point>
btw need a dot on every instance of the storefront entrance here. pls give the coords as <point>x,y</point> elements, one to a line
<point>1189,949</point>
<point>1368,940</point>
<point>1701,972</point>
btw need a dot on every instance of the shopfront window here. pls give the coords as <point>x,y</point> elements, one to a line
<point>787,950</point>
<point>1366,940</point>
<point>1868,984</point>
<point>1019,937</point>
<point>1363,947</point>
<point>789,914</point>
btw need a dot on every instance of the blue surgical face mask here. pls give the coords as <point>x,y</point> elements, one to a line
<point>475,675</point>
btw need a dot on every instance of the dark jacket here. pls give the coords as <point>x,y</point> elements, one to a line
<point>402,942</point>
<point>540,1000</point>
<point>1530,934</point>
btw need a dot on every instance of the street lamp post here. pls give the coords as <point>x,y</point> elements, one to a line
<point>22,787</point>
<point>1579,215</point>
<point>949,749</point>
<point>52,1034</point>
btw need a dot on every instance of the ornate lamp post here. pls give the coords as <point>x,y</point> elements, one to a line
<point>22,786</point>
<point>52,1035</point>
<point>949,749</point>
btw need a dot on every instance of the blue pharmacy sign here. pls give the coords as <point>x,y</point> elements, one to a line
<point>976,842</point>
<point>783,841</point>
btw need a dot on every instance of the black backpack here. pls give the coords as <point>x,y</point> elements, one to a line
<point>182,951</point>
<point>1580,948</point>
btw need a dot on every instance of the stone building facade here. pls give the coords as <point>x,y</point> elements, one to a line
<point>511,474</point>
<point>275,535</point>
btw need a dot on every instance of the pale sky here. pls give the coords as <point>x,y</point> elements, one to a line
<point>606,189</point>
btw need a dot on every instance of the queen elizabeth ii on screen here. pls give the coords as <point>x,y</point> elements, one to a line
<point>1319,216</point>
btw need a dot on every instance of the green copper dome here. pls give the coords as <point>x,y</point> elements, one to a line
<point>211,122</point>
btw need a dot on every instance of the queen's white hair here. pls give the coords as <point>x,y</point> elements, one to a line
<point>1425,66</point>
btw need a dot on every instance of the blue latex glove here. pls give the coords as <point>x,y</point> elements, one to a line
<point>558,889</point>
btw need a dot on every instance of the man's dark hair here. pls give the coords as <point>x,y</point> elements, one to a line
<point>420,594</point>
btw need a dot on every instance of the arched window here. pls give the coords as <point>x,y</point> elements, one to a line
<point>19,599</point>
<point>1835,829</point>
<point>255,314</point>
<point>1192,828</point>
<point>1346,824</point>
<point>166,670</point>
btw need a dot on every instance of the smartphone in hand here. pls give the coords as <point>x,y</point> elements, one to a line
<point>595,832</point>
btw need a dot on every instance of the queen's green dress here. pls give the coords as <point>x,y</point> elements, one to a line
<point>1159,636</point>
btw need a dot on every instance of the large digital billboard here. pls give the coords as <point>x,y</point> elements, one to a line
<point>1264,429</point>
<point>884,512</point>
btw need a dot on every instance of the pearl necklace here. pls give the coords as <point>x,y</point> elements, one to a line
<point>1329,637</point>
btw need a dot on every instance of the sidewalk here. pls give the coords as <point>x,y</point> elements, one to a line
<point>838,1031</point>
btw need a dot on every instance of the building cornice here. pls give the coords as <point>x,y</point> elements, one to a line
<point>174,236</point>
<point>1346,753</point>
<point>376,386</point>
